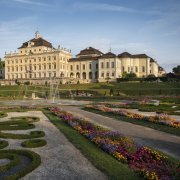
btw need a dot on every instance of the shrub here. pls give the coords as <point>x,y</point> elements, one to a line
<point>33,143</point>
<point>15,156</point>
<point>3,144</point>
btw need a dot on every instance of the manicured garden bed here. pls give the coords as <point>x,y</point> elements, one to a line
<point>32,134</point>
<point>3,144</point>
<point>100,159</point>
<point>2,114</point>
<point>142,122</point>
<point>146,162</point>
<point>34,143</point>
<point>15,169</point>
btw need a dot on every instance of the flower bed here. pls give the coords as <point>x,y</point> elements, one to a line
<point>148,163</point>
<point>160,118</point>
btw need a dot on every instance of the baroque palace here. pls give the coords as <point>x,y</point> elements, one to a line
<point>38,61</point>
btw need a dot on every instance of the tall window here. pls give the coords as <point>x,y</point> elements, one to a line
<point>112,64</point>
<point>123,69</point>
<point>77,67</point>
<point>102,74</point>
<point>97,66</point>
<point>89,66</point>
<point>49,66</point>
<point>107,64</point>
<point>136,69</point>
<point>128,69</point>
<point>143,69</point>
<point>71,67</point>
<point>83,66</point>
<point>102,65</point>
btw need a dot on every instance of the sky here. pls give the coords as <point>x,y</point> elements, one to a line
<point>136,26</point>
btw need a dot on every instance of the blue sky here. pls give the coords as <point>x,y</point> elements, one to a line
<point>136,26</point>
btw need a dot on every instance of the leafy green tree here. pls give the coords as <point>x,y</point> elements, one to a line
<point>129,75</point>
<point>176,70</point>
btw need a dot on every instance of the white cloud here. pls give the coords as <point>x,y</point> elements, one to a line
<point>30,2</point>
<point>14,32</point>
<point>112,8</point>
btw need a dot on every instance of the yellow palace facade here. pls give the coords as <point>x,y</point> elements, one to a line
<point>38,61</point>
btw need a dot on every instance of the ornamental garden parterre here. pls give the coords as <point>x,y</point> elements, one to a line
<point>145,161</point>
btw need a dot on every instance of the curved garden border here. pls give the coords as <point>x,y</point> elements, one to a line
<point>7,171</point>
<point>3,144</point>
<point>34,143</point>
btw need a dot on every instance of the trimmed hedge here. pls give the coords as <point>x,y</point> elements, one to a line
<point>2,114</point>
<point>35,162</point>
<point>3,144</point>
<point>26,119</point>
<point>33,134</point>
<point>34,143</point>
<point>14,160</point>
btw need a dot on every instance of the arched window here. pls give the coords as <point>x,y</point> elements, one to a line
<point>77,75</point>
<point>84,75</point>
<point>71,75</point>
<point>90,75</point>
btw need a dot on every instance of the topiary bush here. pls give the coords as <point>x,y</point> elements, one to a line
<point>11,170</point>
<point>2,114</point>
<point>33,134</point>
<point>3,144</point>
<point>34,143</point>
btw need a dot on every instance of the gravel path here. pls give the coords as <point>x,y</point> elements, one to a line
<point>60,159</point>
<point>168,143</point>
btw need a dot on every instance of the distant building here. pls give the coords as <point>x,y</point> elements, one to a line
<point>37,59</point>
<point>91,65</point>
<point>161,71</point>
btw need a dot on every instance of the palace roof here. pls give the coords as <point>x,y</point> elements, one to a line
<point>37,42</point>
<point>124,55</point>
<point>90,51</point>
<point>108,55</point>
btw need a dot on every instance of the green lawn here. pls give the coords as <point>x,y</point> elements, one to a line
<point>159,127</point>
<point>101,160</point>
<point>123,88</point>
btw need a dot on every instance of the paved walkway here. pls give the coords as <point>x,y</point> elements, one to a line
<point>168,143</point>
<point>60,159</point>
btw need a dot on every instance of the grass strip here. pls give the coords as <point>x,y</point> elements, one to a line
<point>159,127</point>
<point>34,143</point>
<point>101,160</point>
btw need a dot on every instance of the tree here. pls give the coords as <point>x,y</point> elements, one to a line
<point>176,70</point>
<point>129,75</point>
